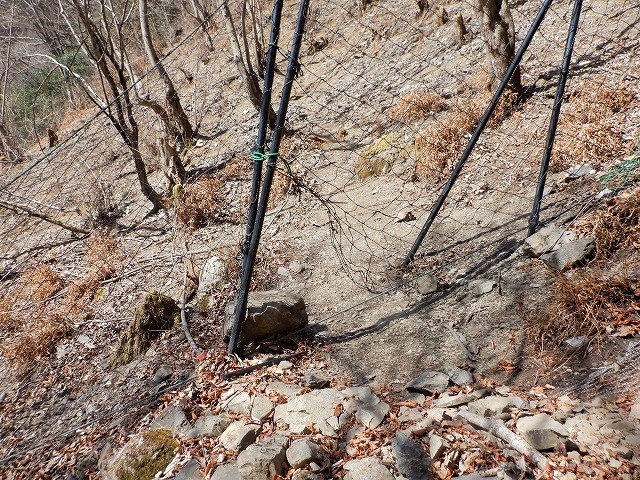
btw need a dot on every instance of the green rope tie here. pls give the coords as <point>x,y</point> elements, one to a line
<point>261,157</point>
<point>618,177</point>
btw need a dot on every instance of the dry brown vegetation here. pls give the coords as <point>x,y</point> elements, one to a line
<point>416,106</point>
<point>201,201</point>
<point>619,225</point>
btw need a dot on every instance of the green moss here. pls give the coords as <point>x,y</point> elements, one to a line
<point>378,158</point>
<point>145,455</point>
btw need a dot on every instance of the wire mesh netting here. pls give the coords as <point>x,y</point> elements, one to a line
<point>384,106</point>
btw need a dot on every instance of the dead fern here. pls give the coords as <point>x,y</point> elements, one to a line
<point>202,202</point>
<point>618,226</point>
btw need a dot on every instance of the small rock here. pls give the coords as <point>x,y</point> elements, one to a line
<point>3,396</point>
<point>227,471</point>
<point>368,468</point>
<point>270,313</point>
<point>212,276</point>
<point>285,365</point>
<point>209,426</point>
<point>405,215</point>
<point>427,284</point>
<point>570,254</point>
<point>409,414</point>
<point>191,471</point>
<point>576,342</point>
<point>240,403</point>
<point>263,460</point>
<point>161,374</point>
<point>174,419</point>
<point>422,427</point>
<point>453,400</point>
<point>314,381</point>
<point>296,268</point>
<point>86,341</point>
<point>428,383</point>
<point>411,460</point>
<point>634,413</point>
<point>545,240</point>
<point>282,271</point>
<point>494,405</point>
<point>315,407</point>
<point>304,451</point>
<point>458,375</point>
<point>541,431</point>
<point>578,171</point>
<point>286,389</point>
<point>306,475</point>
<point>238,436</point>
<point>481,286</point>
<point>371,416</point>
<point>261,408</point>
<point>437,446</point>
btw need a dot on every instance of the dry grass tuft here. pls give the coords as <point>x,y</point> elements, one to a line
<point>619,225</point>
<point>202,202</point>
<point>416,106</point>
<point>38,284</point>
<point>104,255</point>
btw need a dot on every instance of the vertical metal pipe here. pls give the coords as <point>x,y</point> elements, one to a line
<point>292,70</point>
<point>262,126</point>
<point>478,130</point>
<point>555,115</point>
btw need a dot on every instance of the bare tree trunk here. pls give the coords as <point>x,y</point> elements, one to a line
<point>499,37</point>
<point>249,79</point>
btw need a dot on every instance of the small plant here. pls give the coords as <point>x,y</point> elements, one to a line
<point>619,225</point>
<point>201,202</point>
<point>416,106</point>
<point>38,284</point>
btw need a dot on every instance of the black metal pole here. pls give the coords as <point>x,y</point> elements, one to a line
<point>478,130</point>
<point>555,115</point>
<point>276,137</point>
<point>272,53</point>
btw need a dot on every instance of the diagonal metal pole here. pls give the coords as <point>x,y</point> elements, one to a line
<point>276,138</point>
<point>262,126</point>
<point>555,115</point>
<point>478,130</point>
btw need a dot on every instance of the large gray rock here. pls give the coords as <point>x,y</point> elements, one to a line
<point>411,459</point>
<point>238,436</point>
<point>316,407</point>
<point>191,471</point>
<point>496,405</point>
<point>263,460</point>
<point>269,313</point>
<point>429,382</point>
<point>371,416</point>
<point>228,471</point>
<point>209,426</point>
<point>304,451</point>
<point>174,419</point>
<point>368,468</point>
<point>545,240</point>
<point>569,254</point>
<point>212,276</point>
<point>541,431</point>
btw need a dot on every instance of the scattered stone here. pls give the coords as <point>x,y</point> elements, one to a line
<point>634,413</point>
<point>578,171</point>
<point>576,342</point>
<point>314,381</point>
<point>545,240</point>
<point>427,284</point>
<point>261,408</point>
<point>191,471</point>
<point>570,254</point>
<point>227,471</point>
<point>285,365</point>
<point>3,396</point>
<point>409,414</point>
<point>306,475</point>
<point>209,426</point>
<point>316,407</point>
<point>453,400</point>
<point>481,286</point>
<point>270,313</point>
<point>212,276</point>
<point>458,375</point>
<point>263,460</point>
<point>143,456</point>
<point>541,431</point>
<point>371,416</point>
<point>238,436</point>
<point>86,341</point>
<point>283,272</point>
<point>153,315</point>
<point>368,468</point>
<point>173,419</point>
<point>405,215</point>
<point>418,398</point>
<point>240,403</point>
<point>495,406</point>
<point>422,427</point>
<point>411,460</point>
<point>286,389</point>
<point>428,383</point>
<point>161,374</point>
<point>304,451</point>
<point>296,268</point>
<point>361,395</point>
<point>437,446</point>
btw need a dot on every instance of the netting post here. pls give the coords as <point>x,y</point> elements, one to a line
<point>276,138</point>
<point>272,53</point>
<point>555,115</point>
<point>478,130</point>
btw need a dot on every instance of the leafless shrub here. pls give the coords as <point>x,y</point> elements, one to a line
<point>417,105</point>
<point>619,225</point>
<point>39,284</point>
<point>202,201</point>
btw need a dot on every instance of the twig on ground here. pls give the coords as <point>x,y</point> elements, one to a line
<point>500,430</point>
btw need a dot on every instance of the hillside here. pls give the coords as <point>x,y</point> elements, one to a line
<point>384,105</point>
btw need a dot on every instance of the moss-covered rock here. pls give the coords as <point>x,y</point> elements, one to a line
<point>378,158</point>
<point>155,313</point>
<point>143,456</point>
